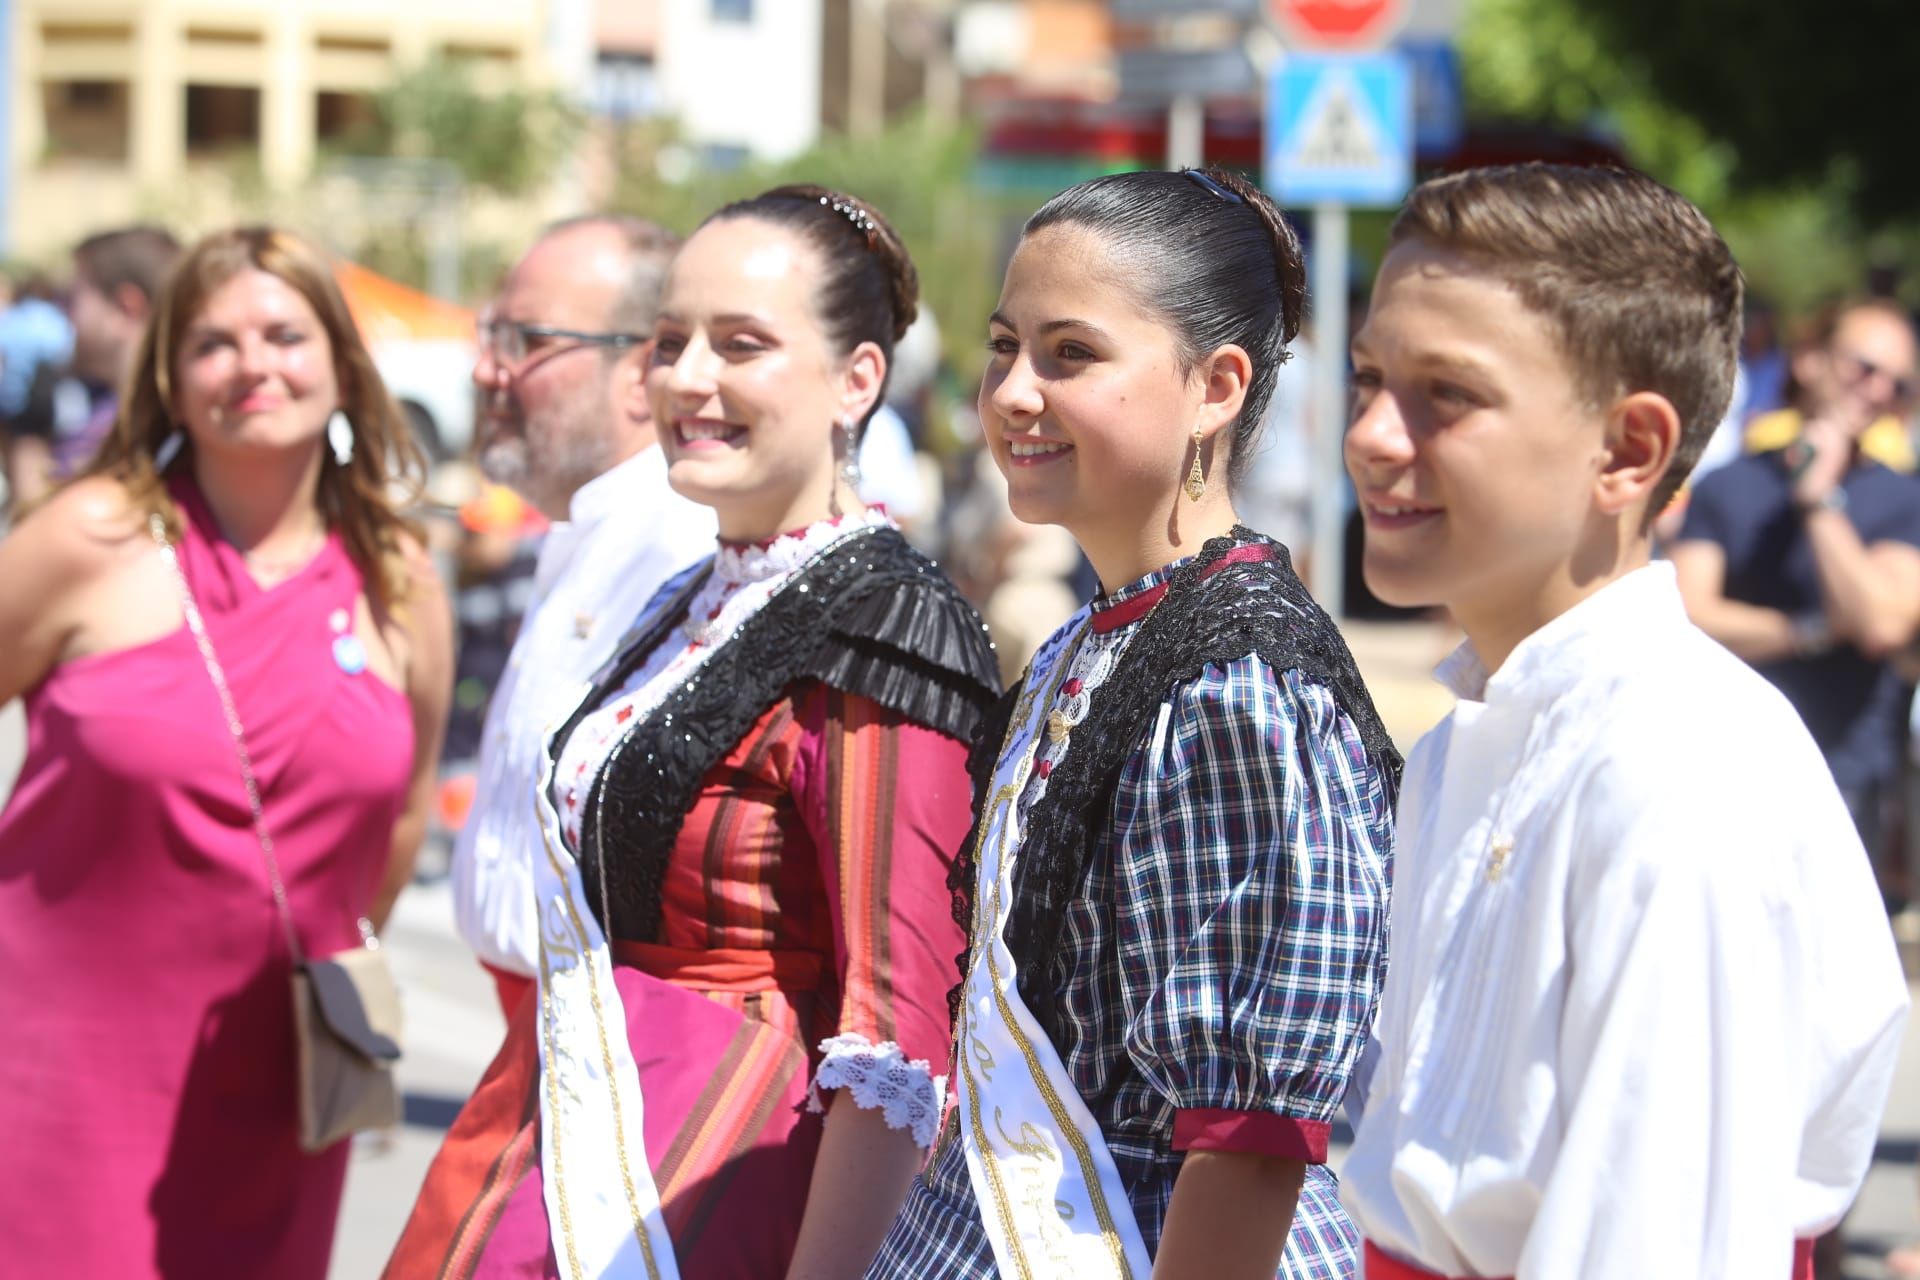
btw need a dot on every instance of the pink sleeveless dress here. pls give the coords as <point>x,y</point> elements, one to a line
<point>147,1108</point>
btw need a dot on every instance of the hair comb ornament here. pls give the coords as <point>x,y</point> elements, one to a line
<point>1212,186</point>
<point>862,220</point>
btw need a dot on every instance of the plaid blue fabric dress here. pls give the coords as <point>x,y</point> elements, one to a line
<point>1226,954</point>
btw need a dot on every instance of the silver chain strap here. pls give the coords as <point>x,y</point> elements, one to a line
<point>198,627</point>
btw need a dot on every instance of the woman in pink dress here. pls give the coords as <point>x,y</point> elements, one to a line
<point>147,1104</point>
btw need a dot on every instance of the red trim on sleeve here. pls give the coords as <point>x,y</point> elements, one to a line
<point>1381,1265</point>
<point>1259,1133</point>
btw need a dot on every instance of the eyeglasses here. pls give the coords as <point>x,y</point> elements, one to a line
<point>512,342</point>
<point>1860,369</point>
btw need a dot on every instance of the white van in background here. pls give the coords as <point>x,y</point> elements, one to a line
<point>432,379</point>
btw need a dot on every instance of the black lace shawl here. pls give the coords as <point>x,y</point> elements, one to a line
<point>1213,613</point>
<point>869,616</point>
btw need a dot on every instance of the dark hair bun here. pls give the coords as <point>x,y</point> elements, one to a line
<point>1289,263</point>
<point>871,291</point>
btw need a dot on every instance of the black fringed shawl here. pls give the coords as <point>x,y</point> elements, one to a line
<point>1216,610</point>
<point>869,616</point>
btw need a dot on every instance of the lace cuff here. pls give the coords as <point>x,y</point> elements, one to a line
<point>881,1077</point>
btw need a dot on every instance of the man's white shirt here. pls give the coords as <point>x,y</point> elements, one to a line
<point>1643,1007</point>
<point>626,533</point>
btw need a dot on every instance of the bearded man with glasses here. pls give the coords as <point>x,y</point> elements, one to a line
<point>563,420</point>
<point>1804,556</point>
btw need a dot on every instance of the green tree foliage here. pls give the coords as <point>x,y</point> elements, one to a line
<point>1802,94</point>
<point>1795,214</point>
<point>506,140</point>
<point>1546,60</point>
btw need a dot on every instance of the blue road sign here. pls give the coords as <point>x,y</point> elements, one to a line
<point>1439,112</point>
<point>1339,129</point>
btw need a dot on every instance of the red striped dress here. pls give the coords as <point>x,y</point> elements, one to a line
<point>805,898</point>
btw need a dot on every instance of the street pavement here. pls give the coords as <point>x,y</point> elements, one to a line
<point>454,1024</point>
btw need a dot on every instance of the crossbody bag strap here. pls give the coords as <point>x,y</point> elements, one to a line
<point>198,627</point>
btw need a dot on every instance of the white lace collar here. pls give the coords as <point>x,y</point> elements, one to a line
<point>742,563</point>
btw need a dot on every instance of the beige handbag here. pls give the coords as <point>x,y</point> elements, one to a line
<point>346,1023</point>
<point>346,1010</point>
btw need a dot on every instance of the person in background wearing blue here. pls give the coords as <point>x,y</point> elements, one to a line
<point>1805,559</point>
<point>70,409</point>
<point>34,334</point>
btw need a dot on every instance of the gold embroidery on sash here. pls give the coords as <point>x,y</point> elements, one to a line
<point>1061,1119</point>
<point>985,924</point>
<point>606,1058</point>
<point>976,932</point>
<point>997,1187</point>
<point>553,1109</point>
<point>984,1056</point>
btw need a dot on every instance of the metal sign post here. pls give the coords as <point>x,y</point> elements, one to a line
<point>1186,132</point>
<point>1338,134</point>
<point>1327,569</point>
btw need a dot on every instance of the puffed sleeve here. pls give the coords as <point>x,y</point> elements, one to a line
<point>1252,840</point>
<point>887,802</point>
<point>1718,1002</point>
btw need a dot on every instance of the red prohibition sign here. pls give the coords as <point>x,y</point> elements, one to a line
<point>1338,24</point>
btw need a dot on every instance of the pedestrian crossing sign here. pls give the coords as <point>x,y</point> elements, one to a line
<point>1339,129</point>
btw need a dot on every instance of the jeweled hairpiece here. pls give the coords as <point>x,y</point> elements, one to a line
<point>1212,186</point>
<point>860,218</point>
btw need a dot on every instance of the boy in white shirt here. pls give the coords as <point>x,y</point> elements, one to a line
<point>1643,1006</point>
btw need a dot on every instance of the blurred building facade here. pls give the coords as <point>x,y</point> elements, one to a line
<point>111,100</point>
<point>765,79</point>
<point>124,108</point>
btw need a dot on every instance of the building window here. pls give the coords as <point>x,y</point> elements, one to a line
<point>477,55</point>
<point>733,10</point>
<point>86,119</point>
<point>338,117</point>
<point>624,88</point>
<point>222,117</point>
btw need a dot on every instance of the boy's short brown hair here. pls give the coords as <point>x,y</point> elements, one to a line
<point>1640,288</point>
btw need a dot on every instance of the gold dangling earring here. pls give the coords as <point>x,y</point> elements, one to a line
<point>1196,478</point>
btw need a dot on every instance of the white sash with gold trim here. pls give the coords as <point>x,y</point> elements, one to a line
<point>603,1210</point>
<point>1049,1192</point>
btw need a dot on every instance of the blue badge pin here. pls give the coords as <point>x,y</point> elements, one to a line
<point>349,654</point>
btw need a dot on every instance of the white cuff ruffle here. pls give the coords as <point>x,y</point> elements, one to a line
<point>881,1077</point>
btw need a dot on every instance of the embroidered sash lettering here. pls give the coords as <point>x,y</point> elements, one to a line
<point>1049,1191</point>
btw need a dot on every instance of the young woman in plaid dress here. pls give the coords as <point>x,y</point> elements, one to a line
<point>1177,883</point>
